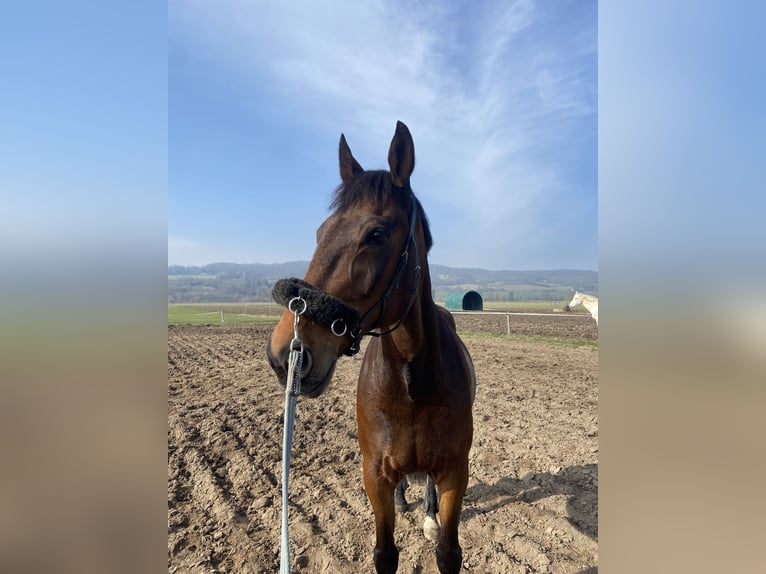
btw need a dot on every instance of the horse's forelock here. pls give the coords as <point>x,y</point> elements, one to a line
<point>377,185</point>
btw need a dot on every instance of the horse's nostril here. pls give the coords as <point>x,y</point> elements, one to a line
<point>307,364</point>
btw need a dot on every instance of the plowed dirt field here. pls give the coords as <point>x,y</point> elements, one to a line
<point>532,499</point>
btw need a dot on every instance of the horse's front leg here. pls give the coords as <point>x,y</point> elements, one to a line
<point>381,495</point>
<point>452,486</point>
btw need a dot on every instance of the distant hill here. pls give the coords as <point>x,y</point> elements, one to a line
<point>239,282</point>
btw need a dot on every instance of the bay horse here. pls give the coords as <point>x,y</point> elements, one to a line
<point>369,275</point>
<point>588,301</point>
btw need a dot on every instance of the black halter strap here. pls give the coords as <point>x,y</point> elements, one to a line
<point>403,260</point>
<point>343,319</point>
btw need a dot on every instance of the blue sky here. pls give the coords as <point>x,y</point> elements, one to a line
<point>500,97</point>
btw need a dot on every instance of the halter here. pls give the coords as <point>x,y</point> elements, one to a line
<point>334,313</point>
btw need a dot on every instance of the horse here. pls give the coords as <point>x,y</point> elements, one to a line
<point>369,275</point>
<point>589,302</point>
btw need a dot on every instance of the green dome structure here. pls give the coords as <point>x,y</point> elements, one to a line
<point>464,301</point>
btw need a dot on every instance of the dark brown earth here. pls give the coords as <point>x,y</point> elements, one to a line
<point>532,499</point>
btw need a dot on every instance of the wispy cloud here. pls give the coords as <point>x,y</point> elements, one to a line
<point>494,106</point>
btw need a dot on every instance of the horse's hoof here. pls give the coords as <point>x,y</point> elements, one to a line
<point>402,507</point>
<point>386,561</point>
<point>449,560</point>
<point>431,529</point>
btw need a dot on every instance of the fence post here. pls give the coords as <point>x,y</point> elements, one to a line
<point>508,322</point>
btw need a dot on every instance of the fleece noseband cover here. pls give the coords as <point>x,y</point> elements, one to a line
<point>321,307</point>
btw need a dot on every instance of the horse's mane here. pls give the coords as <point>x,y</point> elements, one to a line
<point>377,185</point>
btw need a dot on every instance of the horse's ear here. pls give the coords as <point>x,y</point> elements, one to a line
<point>401,156</point>
<point>349,167</point>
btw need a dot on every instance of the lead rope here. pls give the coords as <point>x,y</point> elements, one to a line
<point>292,389</point>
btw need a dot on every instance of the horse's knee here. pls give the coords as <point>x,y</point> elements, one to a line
<point>449,559</point>
<point>386,559</point>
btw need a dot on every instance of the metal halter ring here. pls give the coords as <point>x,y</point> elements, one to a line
<point>335,330</point>
<point>295,311</point>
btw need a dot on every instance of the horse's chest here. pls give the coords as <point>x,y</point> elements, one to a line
<point>403,431</point>
<point>407,436</point>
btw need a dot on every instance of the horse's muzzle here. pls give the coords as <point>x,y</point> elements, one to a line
<point>312,384</point>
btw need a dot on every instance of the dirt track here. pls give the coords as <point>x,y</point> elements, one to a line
<point>531,504</point>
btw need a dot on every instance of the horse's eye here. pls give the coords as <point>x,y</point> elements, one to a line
<point>377,236</point>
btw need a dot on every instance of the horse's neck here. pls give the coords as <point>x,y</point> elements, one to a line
<point>589,302</point>
<point>416,334</point>
<point>414,349</point>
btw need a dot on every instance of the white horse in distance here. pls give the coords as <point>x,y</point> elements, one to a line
<point>588,301</point>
